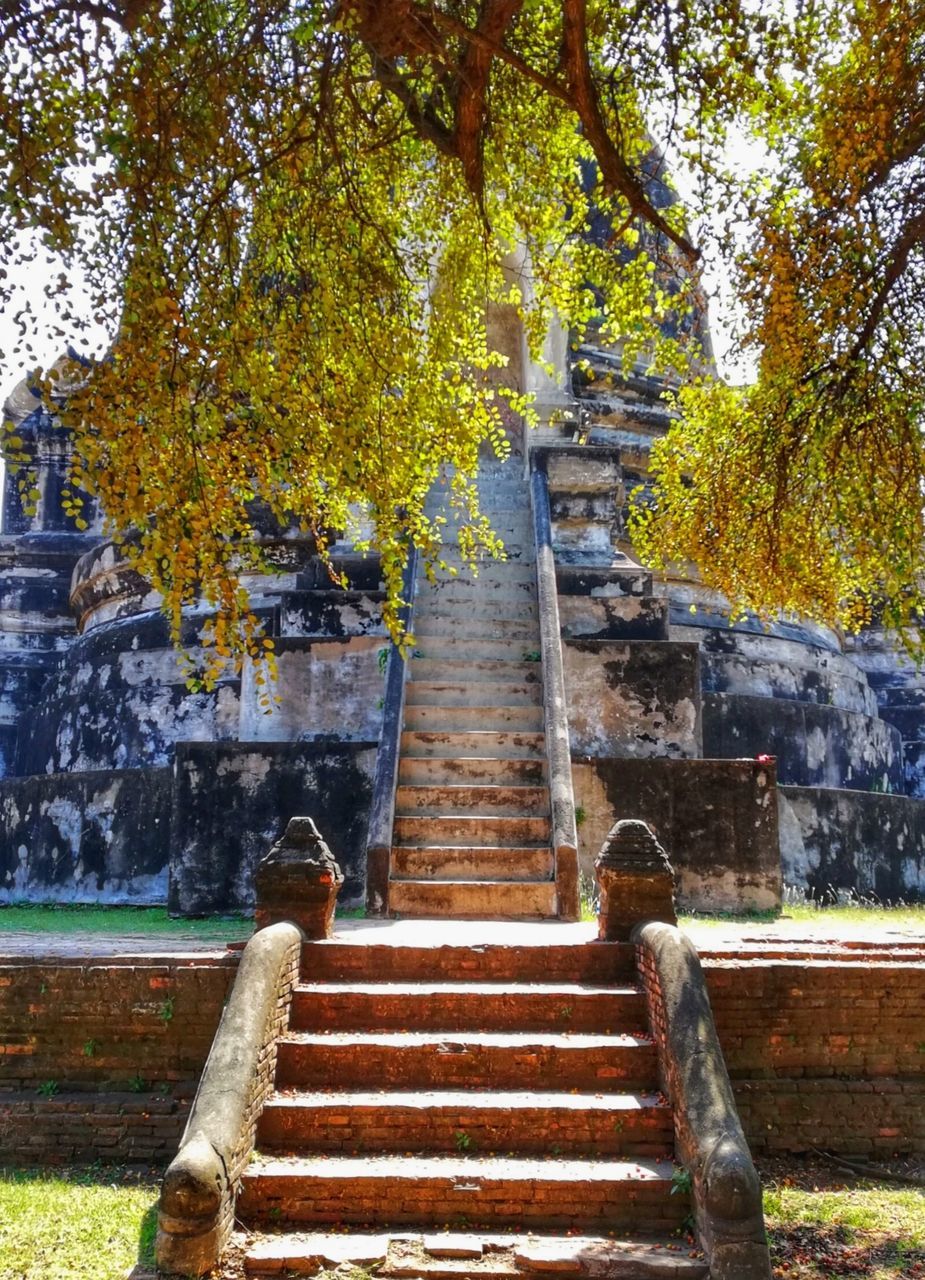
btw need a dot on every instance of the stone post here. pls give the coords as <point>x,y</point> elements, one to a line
<point>298,880</point>
<point>635,880</point>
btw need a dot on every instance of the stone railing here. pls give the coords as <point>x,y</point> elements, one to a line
<point>709,1140</point>
<point>382,808</point>
<point>558,751</point>
<point>196,1208</point>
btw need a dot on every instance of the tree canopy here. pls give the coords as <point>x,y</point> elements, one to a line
<point>293,217</point>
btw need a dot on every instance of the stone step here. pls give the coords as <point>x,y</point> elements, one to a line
<point>470,1121</point>
<point>433,1190</point>
<point>459,670</point>
<point>545,959</point>
<point>473,863</point>
<point>503,771</point>
<point>455,831</point>
<point>513,569</point>
<point>458,1255</point>
<point>515,532</point>
<point>463,625</point>
<point>466,1006</point>
<point>473,899</point>
<point>509,595</point>
<point>467,649</point>
<point>444,718</point>
<point>477,744</point>
<point>450,800</point>
<point>447,693</point>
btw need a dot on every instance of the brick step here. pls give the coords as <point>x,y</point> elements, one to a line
<point>469,1255</point>
<point>475,744</point>
<point>621,1124</point>
<point>457,831</point>
<point>498,694</point>
<point>450,647</point>
<point>547,961</point>
<point>451,799</point>
<point>500,1191</point>
<point>461,626</point>
<point>441,718</point>
<point>468,670</point>
<point>461,769</point>
<point>473,899</point>
<point>472,863</point>
<point>466,1006</point>
<point>473,1060</point>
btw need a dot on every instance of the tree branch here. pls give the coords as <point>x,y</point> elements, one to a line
<point>495,16</point>
<point>615,171</point>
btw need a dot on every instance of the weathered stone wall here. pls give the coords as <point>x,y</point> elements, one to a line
<point>83,837</point>
<point>824,1054</point>
<point>858,841</point>
<point>717,819</point>
<point>635,698</point>
<point>816,746</point>
<point>233,800</point>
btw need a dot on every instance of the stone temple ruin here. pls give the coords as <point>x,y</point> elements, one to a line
<point>761,755</point>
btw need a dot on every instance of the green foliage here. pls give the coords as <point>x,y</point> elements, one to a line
<point>803,491</point>
<point>297,223</point>
<point>47,1089</point>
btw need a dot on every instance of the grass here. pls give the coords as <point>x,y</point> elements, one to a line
<point>820,1229</point>
<point>902,916</point>
<point>89,1224</point>
<point>146,921</point>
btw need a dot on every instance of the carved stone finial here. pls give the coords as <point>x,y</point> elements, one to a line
<point>298,880</point>
<point>635,878</point>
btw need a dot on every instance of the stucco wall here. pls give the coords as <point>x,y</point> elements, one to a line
<point>717,819</point>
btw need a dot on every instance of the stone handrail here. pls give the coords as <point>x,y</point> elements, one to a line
<point>709,1140</point>
<point>558,752</point>
<point>196,1207</point>
<point>382,806</point>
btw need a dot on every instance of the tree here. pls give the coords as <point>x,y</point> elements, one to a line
<point>293,219</point>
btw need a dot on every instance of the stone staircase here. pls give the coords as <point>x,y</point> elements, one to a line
<point>484,1109</point>
<point>472,804</point>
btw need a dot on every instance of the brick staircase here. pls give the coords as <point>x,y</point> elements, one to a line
<point>472,804</point>
<point>504,1092</point>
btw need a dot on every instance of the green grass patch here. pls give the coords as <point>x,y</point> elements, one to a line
<point>145,921</point>
<point>81,1225</point>
<point>899,917</point>
<point>874,1230</point>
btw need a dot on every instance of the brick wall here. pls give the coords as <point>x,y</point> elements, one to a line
<point>821,1053</point>
<point>824,1053</point>
<point>80,1128</point>
<point>103,1025</point>
<point>122,1043</point>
